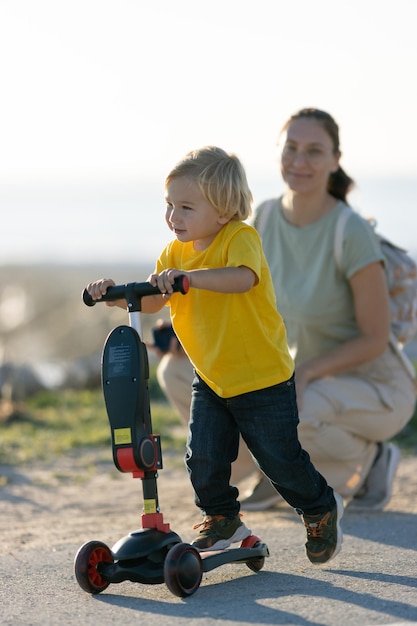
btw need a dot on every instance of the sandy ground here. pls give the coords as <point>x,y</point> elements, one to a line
<point>47,512</point>
<point>74,498</point>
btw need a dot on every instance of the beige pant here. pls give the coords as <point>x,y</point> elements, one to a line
<point>341,421</point>
<point>344,417</point>
<point>175,375</point>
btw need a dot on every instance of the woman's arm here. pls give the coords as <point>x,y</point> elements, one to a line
<point>371,303</point>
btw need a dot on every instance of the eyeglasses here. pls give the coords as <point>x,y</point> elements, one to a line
<point>313,155</point>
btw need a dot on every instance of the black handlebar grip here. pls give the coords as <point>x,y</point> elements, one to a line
<point>87,299</point>
<point>118,292</point>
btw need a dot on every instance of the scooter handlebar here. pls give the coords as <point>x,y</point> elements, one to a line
<point>119,292</point>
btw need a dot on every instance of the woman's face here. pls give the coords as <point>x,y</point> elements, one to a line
<point>307,156</point>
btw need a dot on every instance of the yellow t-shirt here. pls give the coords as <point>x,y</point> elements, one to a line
<point>236,341</point>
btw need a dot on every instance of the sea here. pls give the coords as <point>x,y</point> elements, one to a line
<point>123,222</point>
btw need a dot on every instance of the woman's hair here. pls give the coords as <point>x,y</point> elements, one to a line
<point>221,179</point>
<point>339,183</point>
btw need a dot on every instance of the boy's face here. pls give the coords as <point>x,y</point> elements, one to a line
<point>189,215</point>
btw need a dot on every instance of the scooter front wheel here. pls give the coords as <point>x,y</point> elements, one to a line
<point>86,566</point>
<point>183,570</point>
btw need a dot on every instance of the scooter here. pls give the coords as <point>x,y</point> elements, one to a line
<point>153,554</point>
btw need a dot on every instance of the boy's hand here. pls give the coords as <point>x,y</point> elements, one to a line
<point>165,280</point>
<point>98,288</point>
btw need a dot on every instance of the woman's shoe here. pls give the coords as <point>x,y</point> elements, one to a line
<point>263,497</point>
<point>377,489</point>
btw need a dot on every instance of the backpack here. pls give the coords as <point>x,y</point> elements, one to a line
<point>401,275</point>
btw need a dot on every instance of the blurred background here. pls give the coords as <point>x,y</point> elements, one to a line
<point>101,97</point>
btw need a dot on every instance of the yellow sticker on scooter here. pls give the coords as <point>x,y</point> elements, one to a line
<point>122,436</point>
<point>149,506</point>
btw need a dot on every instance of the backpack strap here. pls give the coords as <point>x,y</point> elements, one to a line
<point>344,215</point>
<point>263,214</point>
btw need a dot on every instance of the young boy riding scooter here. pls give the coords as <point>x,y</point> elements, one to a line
<point>230,328</point>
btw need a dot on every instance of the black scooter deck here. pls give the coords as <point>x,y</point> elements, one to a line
<point>211,560</point>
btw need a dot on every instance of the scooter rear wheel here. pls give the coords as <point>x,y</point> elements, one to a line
<point>86,563</point>
<point>183,570</point>
<point>257,563</point>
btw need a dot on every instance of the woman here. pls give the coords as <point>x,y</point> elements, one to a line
<point>353,391</point>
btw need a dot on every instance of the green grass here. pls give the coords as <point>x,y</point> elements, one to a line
<point>54,423</point>
<point>63,422</point>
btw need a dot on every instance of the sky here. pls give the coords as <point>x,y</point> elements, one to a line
<point>114,92</point>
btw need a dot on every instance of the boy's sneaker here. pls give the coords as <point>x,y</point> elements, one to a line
<point>377,489</point>
<point>324,535</point>
<point>218,532</point>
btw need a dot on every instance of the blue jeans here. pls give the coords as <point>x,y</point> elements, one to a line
<point>267,420</point>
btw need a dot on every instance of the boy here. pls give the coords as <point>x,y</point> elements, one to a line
<point>230,328</point>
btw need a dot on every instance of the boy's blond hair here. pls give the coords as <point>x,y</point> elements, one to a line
<point>221,179</point>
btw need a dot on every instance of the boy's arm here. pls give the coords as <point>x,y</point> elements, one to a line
<point>222,279</point>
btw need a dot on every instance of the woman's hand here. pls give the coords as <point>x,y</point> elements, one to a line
<point>303,375</point>
<point>174,347</point>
